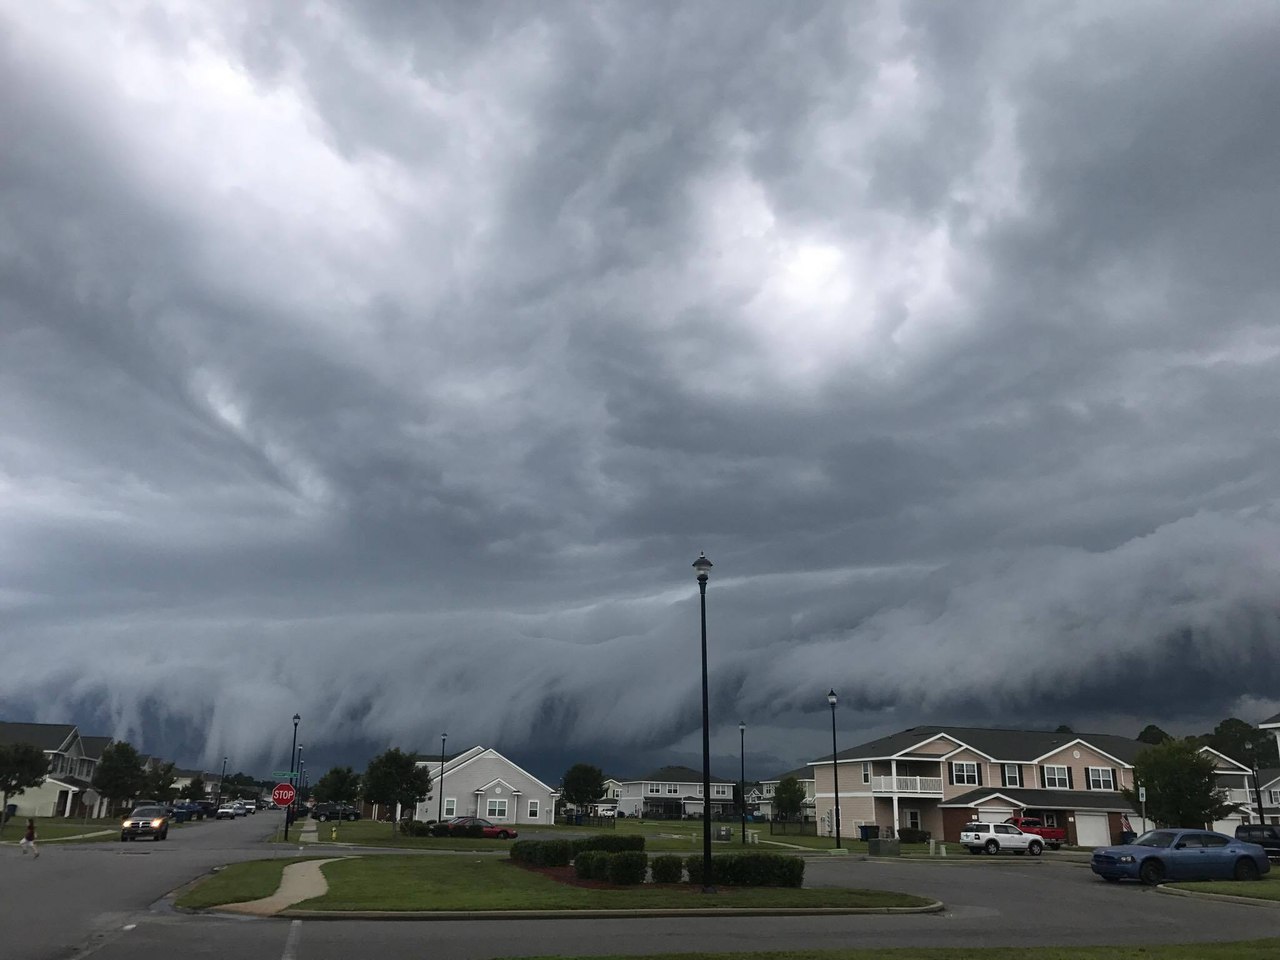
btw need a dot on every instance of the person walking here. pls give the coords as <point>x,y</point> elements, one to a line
<point>29,840</point>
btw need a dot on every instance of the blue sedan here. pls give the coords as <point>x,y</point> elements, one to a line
<point>1177,854</point>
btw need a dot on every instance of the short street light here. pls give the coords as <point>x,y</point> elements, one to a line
<point>221,778</point>
<point>440,784</point>
<point>293,749</point>
<point>703,566</point>
<point>835,770</point>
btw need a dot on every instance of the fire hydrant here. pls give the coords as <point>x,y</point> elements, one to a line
<point>333,832</point>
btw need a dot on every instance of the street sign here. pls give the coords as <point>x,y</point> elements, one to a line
<point>1142,794</point>
<point>283,794</point>
<point>282,774</point>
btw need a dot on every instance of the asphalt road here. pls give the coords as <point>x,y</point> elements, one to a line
<point>105,901</point>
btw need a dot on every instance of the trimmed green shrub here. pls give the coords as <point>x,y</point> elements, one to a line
<point>608,841</point>
<point>913,835</point>
<point>668,868</point>
<point>592,865</point>
<point>439,829</point>
<point>749,870</point>
<point>521,851</point>
<point>627,866</point>
<point>414,828</point>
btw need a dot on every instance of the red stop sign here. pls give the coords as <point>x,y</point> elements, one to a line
<point>282,794</point>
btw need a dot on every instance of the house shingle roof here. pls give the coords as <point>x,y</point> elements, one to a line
<point>677,774</point>
<point>803,773</point>
<point>1271,720</point>
<point>93,746</point>
<point>999,745</point>
<point>46,736</point>
<point>1045,799</point>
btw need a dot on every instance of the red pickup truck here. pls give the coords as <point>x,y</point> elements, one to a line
<point>1053,837</point>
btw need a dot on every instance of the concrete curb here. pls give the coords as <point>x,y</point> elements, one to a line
<point>936,907</point>
<point>1224,897</point>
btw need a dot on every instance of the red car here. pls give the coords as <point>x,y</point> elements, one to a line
<point>490,829</point>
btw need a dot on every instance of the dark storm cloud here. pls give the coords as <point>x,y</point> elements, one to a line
<point>390,363</point>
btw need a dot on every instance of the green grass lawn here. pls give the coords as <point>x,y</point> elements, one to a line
<point>373,833</point>
<point>466,883</point>
<point>58,828</point>
<point>237,883</point>
<point>1250,950</point>
<point>1268,888</point>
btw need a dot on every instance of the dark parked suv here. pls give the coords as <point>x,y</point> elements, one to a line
<point>334,811</point>
<point>1265,835</point>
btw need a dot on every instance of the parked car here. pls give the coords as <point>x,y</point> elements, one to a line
<point>993,838</point>
<point>334,811</point>
<point>250,806</point>
<point>227,812</point>
<point>209,807</point>
<point>183,811</point>
<point>1053,837</point>
<point>1186,854</point>
<point>487,828</point>
<point>1265,835</point>
<point>145,822</point>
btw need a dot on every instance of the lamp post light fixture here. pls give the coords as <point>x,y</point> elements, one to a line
<point>221,778</point>
<point>293,749</point>
<point>440,784</point>
<point>835,770</point>
<point>702,565</point>
<point>1257,786</point>
<point>742,776</point>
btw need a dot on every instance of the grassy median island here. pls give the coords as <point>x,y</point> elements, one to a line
<point>1268,888</point>
<point>463,883</point>
<point>237,883</point>
<point>1250,950</point>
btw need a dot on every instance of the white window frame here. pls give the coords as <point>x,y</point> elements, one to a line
<point>866,771</point>
<point>962,770</point>
<point>492,804</point>
<point>535,808</point>
<point>654,788</point>
<point>768,789</point>
<point>1055,777</point>
<point>719,790</point>
<point>1275,798</point>
<point>1016,770</point>
<point>913,819</point>
<point>673,789</point>
<point>450,807</point>
<point>1100,778</point>
<point>699,789</point>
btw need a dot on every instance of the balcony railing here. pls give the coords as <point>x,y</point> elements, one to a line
<point>1237,795</point>
<point>916,785</point>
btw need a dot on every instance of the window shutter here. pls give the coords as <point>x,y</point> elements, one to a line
<point>1004,775</point>
<point>1115,779</point>
<point>1044,780</point>
<point>978,767</point>
<point>1070,783</point>
<point>951,772</point>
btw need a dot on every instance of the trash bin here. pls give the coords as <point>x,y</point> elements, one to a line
<point>10,811</point>
<point>869,831</point>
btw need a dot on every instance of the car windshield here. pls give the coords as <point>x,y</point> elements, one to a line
<point>147,812</point>
<point>1155,838</point>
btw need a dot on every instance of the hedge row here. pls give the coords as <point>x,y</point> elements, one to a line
<point>912,835</point>
<point>749,870</point>
<point>558,853</point>
<point>611,842</point>
<point>416,828</point>
<point>668,868</point>
<point>624,867</point>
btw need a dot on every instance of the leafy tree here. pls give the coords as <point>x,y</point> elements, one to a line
<point>1182,790</point>
<point>1063,728</point>
<point>1243,742</point>
<point>22,765</point>
<point>583,785</point>
<point>339,785</point>
<point>119,774</point>
<point>1153,735</point>
<point>194,790</point>
<point>395,778</point>
<point>159,782</point>
<point>788,798</point>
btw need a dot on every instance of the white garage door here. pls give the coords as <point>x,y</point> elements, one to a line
<point>1092,830</point>
<point>993,814</point>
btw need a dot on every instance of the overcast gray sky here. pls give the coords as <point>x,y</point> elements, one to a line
<point>391,363</point>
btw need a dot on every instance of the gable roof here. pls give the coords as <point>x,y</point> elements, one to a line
<point>677,774</point>
<point>997,744</point>
<point>46,736</point>
<point>93,746</point>
<point>1271,721</point>
<point>458,761</point>
<point>1236,765</point>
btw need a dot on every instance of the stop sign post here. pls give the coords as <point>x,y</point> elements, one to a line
<point>282,794</point>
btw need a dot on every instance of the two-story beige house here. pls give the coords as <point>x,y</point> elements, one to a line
<point>938,778</point>
<point>67,790</point>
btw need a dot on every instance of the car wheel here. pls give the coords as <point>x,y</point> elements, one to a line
<point>1151,872</point>
<point>992,847</point>
<point>1035,849</point>
<point>503,835</point>
<point>323,817</point>
<point>123,838</point>
<point>1246,870</point>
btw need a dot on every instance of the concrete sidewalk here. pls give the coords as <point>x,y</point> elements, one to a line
<point>300,881</point>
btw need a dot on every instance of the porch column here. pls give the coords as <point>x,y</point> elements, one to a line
<point>893,772</point>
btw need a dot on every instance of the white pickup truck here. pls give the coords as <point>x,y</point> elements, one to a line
<point>994,837</point>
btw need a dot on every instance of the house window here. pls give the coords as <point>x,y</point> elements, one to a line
<point>964,773</point>
<point>616,793</point>
<point>1012,775</point>
<point>913,819</point>
<point>866,772</point>
<point>533,810</point>
<point>1050,819</point>
<point>768,789</point>
<point>497,808</point>
<point>1101,778</point>
<point>699,789</point>
<point>673,789</point>
<point>450,807</point>
<point>1056,778</point>
<point>719,790</point>
<point>1275,797</point>
<point>655,788</point>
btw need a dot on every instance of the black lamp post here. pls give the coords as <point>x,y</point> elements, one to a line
<point>703,565</point>
<point>293,749</point>
<point>221,778</point>
<point>835,770</point>
<point>1257,786</point>
<point>440,785</point>
<point>742,776</point>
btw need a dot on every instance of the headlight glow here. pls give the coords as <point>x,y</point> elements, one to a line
<point>157,822</point>
<point>1127,858</point>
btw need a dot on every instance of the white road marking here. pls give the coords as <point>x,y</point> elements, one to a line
<point>291,941</point>
<point>130,926</point>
